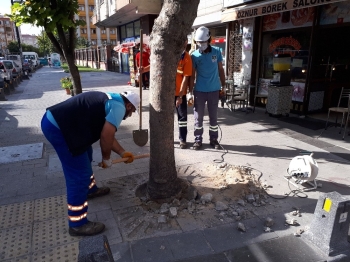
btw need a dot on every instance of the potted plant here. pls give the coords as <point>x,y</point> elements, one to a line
<point>66,83</point>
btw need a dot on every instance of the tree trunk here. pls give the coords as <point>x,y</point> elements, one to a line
<point>167,40</point>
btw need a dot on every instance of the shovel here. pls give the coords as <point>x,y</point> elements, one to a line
<point>140,136</point>
<point>120,160</point>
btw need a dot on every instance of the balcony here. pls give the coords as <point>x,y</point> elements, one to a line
<point>123,12</point>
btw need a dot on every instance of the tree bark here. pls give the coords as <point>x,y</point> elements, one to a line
<point>167,41</point>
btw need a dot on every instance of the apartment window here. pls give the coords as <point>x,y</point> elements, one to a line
<point>93,31</point>
<point>91,8</point>
<point>93,42</point>
<point>0,22</point>
<point>112,31</point>
<point>84,31</point>
<point>82,18</point>
<point>113,42</point>
<point>81,8</point>
<point>103,31</point>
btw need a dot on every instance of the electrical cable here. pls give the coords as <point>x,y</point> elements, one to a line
<point>218,161</point>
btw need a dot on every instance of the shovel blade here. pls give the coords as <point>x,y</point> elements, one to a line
<point>140,137</point>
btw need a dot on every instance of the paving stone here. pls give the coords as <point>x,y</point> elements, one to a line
<point>189,244</point>
<point>121,252</point>
<point>152,249</point>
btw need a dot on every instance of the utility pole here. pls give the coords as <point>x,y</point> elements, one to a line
<point>18,36</point>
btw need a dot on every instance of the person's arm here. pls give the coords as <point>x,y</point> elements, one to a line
<point>183,90</point>
<point>107,140</point>
<point>144,69</point>
<point>222,76</point>
<point>191,80</point>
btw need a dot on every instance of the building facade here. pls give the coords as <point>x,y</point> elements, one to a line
<point>95,35</point>
<point>29,40</point>
<point>313,35</point>
<point>7,33</point>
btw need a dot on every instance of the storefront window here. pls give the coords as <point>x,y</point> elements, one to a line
<point>122,32</point>
<point>130,30</point>
<point>137,28</point>
<point>296,44</point>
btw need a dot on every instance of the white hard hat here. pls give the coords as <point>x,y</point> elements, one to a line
<point>202,34</point>
<point>133,98</point>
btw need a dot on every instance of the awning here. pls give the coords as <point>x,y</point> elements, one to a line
<point>269,7</point>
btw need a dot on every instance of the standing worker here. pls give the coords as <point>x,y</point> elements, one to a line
<point>183,75</point>
<point>72,127</point>
<point>210,79</point>
<point>145,63</point>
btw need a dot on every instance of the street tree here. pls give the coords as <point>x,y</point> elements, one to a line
<point>82,42</point>
<point>54,16</point>
<point>167,38</point>
<point>44,43</point>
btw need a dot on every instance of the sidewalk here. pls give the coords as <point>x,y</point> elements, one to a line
<point>32,192</point>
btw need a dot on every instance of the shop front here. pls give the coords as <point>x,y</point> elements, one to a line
<point>316,40</point>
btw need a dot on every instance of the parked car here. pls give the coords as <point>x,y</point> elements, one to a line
<point>15,58</point>
<point>6,66</point>
<point>17,70</point>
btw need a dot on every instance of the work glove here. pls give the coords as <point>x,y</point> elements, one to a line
<point>189,96</point>
<point>106,163</point>
<point>128,155</point>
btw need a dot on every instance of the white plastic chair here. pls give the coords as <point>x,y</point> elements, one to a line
<point>344,94</point>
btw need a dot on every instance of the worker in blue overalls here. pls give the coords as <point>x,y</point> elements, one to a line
<point>72,127</point>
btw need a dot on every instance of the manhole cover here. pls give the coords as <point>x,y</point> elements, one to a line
<point>20,153</point>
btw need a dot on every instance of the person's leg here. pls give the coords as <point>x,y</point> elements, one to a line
<point>198,110</point>
<point>182,121</point>
<point>213,100</point>
<point>148,79</point>
<point>77,171</point>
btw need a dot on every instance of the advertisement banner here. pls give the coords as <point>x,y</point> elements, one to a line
<point>336,13</point>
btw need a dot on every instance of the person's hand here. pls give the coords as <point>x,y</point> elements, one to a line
<point>223,91</point>
<point>141,69</point>
<point>106,163</point>
<point>128,155</point>
<point>178,101</point>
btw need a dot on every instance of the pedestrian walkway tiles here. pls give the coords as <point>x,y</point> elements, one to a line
<point>37,231</point>
<point>20,153</point>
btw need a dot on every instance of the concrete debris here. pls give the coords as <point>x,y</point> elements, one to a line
<point>238,218</point>
<point>241,212</point>
<point>172,212</point>
<point>207,198</point>
<point>291,222</point>
<point>269,222</point>
<point>162,219</point>
<point>257,198</point>
<point>256,204</point>
<point>236,180</point>
<point>267,229</point>
<point>241,202</point>
<point>190,207</point>
<point>164,208</point>
<point>250,198</point>
<point>319,185</point>
<point>222,214</point>
<point>262,202</point>
<point>176,202</point>
<point>299,232</point>
<point>241,227</point>
<point>219,206</point>
<point>162,247</point>
<point>234,213</point>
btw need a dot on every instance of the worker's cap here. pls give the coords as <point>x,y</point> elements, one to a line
<point>133,98</point>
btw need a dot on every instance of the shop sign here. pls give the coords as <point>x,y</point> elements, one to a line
<point>260,9</point>
<point>278,46</point>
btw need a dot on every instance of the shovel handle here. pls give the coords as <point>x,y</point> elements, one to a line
<point>120,160</point>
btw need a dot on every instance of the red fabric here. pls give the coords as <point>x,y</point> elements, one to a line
<point>145,59</point>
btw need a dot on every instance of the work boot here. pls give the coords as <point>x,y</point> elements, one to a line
<point>197,145</point>
<point>101,191</point>
<point>215,144</point>
<point>183,145</point>
<point>88,229</point>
